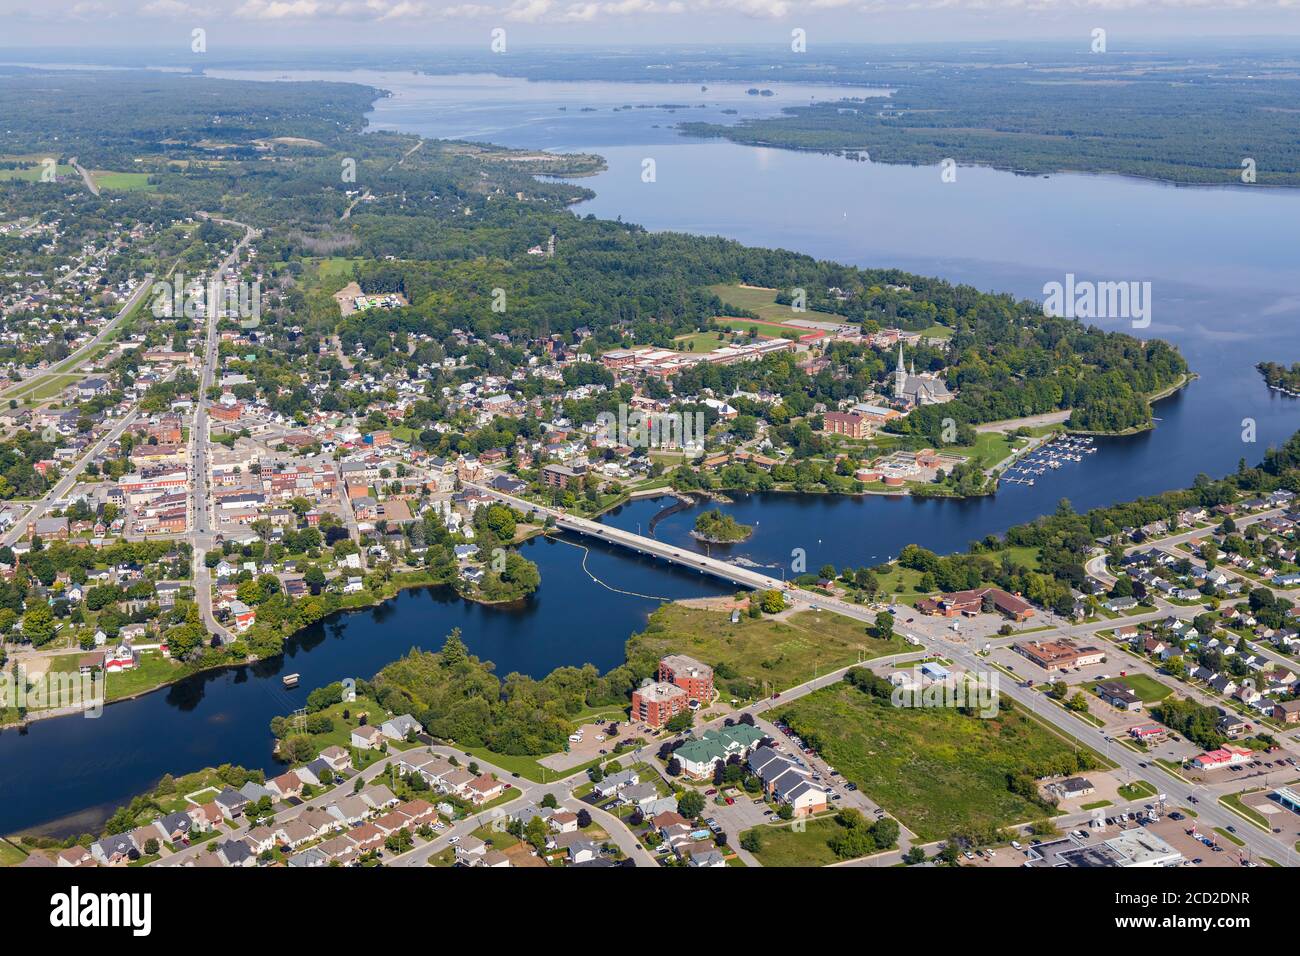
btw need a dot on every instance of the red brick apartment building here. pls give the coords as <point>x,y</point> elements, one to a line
<point>688,674</point>
<point>852,424</point>
<point>657,703</point>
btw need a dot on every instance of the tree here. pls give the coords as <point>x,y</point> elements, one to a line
<point>690,804</point>
<point>683,720</point>
<point>772,602</point>
<point>38,624</point>
<point>752,841</point>
<point>314,578</point>
<point>884,627</point>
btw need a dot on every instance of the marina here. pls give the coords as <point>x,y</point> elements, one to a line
<point>1050,456</point>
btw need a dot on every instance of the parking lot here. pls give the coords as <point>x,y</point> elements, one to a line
<point>1284,822</point>
<point>595,742</point>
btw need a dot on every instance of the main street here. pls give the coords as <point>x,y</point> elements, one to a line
<point>204,533</point>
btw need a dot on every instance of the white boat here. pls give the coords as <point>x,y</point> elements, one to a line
<point>290,680</point>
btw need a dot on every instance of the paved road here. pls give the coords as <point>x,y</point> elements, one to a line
<point>85,175</point>
<point>686,558</point>
<point>66,483</point>
<point>204,533</point>
<point>79,357</point>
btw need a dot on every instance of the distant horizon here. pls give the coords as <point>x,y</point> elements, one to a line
<point>781,43</point>
<point>385,24</point>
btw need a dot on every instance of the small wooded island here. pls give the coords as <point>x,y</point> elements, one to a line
<point>718,528</point>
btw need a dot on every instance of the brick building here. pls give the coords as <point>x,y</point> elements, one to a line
<point>657,703</point>
<point>688,674</point>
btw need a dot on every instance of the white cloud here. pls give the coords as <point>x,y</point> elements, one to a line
<point>528,11</point>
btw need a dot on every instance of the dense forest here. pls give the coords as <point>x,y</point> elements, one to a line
<point>1141,115</point>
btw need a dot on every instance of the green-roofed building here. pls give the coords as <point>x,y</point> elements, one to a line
<point>699,755</point>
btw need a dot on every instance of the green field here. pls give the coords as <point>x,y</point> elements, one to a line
<point>702,342</point>
<point>125,182</point>
<point>1149,689</point>
<point>336,267</point>
<point>782,846</point>
<point>761,302</point>
<point>764,328</point>
<point>11,855</point>
<point>937,332</point>
<point>33,173</point>
<point>1136,790</point>
<point>935,769</point>
<point>756,656</point>
<point>903,582</point>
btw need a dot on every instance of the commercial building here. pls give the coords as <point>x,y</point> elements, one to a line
<point>1057,655</point>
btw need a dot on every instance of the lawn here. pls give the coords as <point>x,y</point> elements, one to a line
<point>33,173</point>
<point>990,448</point>
<point>700,342</point>
<point>1149,689</point>
<point>783,846</point>
<point>935,769</point>
<point>10,855</point>
<point>336,267</point>
<point>761,302</point>
<point>903,582</point>
<point>1136,790</point>
<point>757,656</point>
<point>154,670</point>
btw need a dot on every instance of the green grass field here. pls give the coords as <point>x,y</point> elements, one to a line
<point>123,182</point>
<point>1149,689</point>
<point>1136,790</point>
<point>335,267</point>
<point>757,654</point>
<point>781,846</point>
<point>702,342</point>
<point>761,302</point>
<point>33,173</point>
<point>10,855</point>
<point>935,769</point>
<point>764,328</point>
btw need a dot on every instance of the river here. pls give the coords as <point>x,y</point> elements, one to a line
<point>1224,272</point>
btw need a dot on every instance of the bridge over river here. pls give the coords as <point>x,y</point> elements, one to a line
<point>688,559</point>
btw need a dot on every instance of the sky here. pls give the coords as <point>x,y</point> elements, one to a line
<point>248,24</point>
